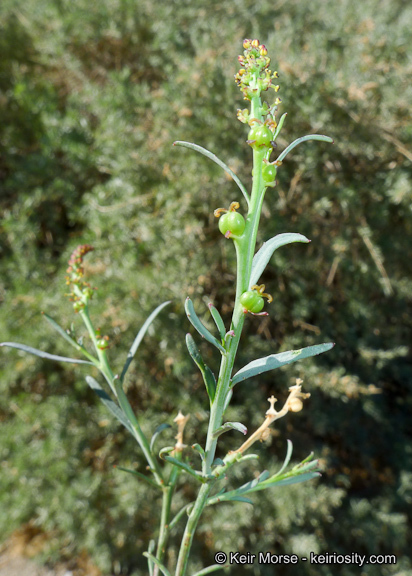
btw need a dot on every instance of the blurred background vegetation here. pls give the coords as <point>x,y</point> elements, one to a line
<point>92,96</point>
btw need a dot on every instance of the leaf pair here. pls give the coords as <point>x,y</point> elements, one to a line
<point>226,168</point>
<point>201,328</point>
<point>208,376</point>
<point>80,348</point>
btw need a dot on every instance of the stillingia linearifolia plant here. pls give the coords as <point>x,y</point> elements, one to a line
<point>165,467</point>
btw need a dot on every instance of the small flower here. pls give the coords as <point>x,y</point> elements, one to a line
<point>255,75</point>
<point>81,292</point>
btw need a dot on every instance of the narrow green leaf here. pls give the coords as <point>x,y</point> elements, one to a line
<point>229,426</point>
<point>109,403</point>
<point>277,360</point>
<point>199,450</point>
<point>215,159</point>
<point>161,566</point>
<point>263,476</point>
<point>139,338</point>
<point>303,139</point>
<point>239,499</point>
<point>263,483</point>
<point>227,400</point>
<point>251,485</point>
<point>203,331</point>
<point>305,466</point>
<point>45,355</point>
<point>262,257</point>
<point>198,475</point>
<point>179,515</point>
<point>218,320</point>
<point>287,459</point>
<point>294,479</point>
<point>66,336</point>
<point>208,376</point>
<point>139,475</point>
<point>150,550</point>
<point>159,429</point>
<point>210,569</point>
<point>279,126</point>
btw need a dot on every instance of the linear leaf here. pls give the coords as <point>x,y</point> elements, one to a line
<point>65,335</point>
<point>252,483</point>
<point>287,459</point>
<point>203,331</point>
<point>161,566</point>
<point>227,400</point>
<point>277,360</point>
<point>215,159</point>
<point>159,429</point>
<point>139,475</point>
<point>294,479</point>
<point>240,499</point>
<point>218,320</point>
<point>279,126</point>
<point>45,355</point>
<point>199,450</point>
<point>198,475</point>
<point>210,569</point>
<point>262,257</point>
<point>150,550</point>
<point>109,403</point>
<point>229,426</point>
<point>263,482</point>
<point>139,338</point>
<point>181,512</point>
<point>208,376</point>
<point>303,139</point>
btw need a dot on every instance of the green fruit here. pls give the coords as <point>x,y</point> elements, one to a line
<point>232,222</point>
<point>252,301</point>
<point>260,137</point>
<point>269,173</point>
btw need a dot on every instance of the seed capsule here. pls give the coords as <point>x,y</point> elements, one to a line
<point>260,136</point>
<point>232,223</point>
<point>252,301</point>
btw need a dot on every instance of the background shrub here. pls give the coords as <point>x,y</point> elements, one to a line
<point>92,96</point>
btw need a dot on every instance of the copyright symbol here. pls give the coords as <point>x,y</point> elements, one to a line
<point>220,557</point>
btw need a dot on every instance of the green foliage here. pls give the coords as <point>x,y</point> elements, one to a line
<point>92,98</point>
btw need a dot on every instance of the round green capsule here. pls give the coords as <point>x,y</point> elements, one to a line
<point>260,136</point>
<point>269,173</point>
<point>252,301</point>
<point>232,223</point>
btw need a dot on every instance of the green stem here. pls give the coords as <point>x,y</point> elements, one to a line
<point>168,492</point>
<point>164,526</point>
<point>191,525</point>
<point>101,354</point>
<point>118,391</point>
<point>245,249</point>
<point>138,432</point>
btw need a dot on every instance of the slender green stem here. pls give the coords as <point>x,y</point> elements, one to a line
<point>138,433</point>
<point>101,354</point>
<point>191,525</point>
<point>165,527</point>
<point>118,391</point>
<point>245,249</point>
